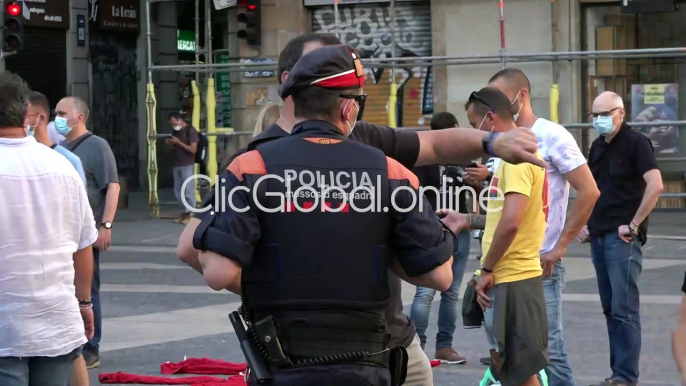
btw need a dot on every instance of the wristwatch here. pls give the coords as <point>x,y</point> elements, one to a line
<point>107,224</point>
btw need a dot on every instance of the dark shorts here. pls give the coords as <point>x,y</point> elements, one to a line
<point>519,326</point>
<point>332,375</point>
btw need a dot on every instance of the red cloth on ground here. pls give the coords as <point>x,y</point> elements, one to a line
<point>203,366</point>
<point>125,378</point>
<point>435,363</point>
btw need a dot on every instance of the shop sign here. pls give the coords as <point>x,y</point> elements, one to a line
<point>115,15</point>
<point>46,13</point>
<point>185,41</point>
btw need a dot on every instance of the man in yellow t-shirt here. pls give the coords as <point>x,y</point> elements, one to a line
<point>510,286</point>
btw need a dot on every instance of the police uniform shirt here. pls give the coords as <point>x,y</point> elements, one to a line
<point>618,168</point>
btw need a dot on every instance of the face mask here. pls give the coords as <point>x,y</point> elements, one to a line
<point>604,125</point>
<point>482,123</point>
<point>61,125</point>
<point>177,128</point>
<point>351,126</point>
<point>520,106</point>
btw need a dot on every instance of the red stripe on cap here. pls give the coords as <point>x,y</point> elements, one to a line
<point>342,81</point>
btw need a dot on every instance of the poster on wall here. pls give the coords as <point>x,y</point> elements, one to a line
<point>657,103</point>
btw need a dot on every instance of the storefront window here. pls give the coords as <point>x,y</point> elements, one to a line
<point>653,88</point>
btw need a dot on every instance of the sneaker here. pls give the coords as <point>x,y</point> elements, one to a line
<point>186,218</point>
<point>449,356</point>
<point>179,219</point>
<point>488,379</point>
<point>485,361</point>
<point>92,359</point>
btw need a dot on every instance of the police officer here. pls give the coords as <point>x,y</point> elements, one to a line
<point>311,224</point>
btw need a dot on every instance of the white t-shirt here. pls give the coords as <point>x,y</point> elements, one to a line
<point>45,218</point>
<point>559,149</point>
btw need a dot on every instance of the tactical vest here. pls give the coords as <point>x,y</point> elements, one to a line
<point>320,268</point>
<point>309,255</point>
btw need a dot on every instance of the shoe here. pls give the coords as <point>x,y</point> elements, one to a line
<point>610,382</point>
<point>186,219</point>
<point>92,359</point>
<point>488,379</point>
<point>449,356</point>
<point>179,219</point>
<point>485,361</point>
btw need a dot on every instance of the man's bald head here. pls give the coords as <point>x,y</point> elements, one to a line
<point>606,101</point>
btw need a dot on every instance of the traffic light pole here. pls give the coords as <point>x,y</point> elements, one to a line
<point>2,28</point>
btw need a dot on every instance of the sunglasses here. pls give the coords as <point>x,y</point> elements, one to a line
<point>474,97</point>
<point>361,99</point>
<point>603,113</point>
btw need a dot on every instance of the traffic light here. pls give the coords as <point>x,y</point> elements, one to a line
<point>252,32</point>
<point>13,33</point>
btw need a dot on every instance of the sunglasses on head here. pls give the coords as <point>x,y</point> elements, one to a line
<point>474,97</point>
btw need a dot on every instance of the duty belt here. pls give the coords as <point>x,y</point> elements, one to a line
<point>296,346</point>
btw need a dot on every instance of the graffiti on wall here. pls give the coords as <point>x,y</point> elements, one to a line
<point>367,28</point>
<point>114,111</point>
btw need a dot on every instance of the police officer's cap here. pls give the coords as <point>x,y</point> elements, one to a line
<point>332,67</point>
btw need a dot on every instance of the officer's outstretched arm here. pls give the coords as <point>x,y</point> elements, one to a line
<point>422,245</point>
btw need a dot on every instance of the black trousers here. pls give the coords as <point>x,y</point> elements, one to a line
<point>330,375</point>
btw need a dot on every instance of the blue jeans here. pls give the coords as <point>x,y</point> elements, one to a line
<point>618,265</point>
<point>38,371</point>
<point>448,310</point>
<point>559,371</point>
<point>93,345</point>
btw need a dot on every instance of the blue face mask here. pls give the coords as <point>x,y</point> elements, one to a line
<point>61,126</point>
<point>603,125</point>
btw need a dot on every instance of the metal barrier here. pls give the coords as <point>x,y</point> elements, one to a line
<point>503,57</point>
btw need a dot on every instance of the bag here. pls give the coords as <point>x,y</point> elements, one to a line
<point>80,141</point>
<point>201,152</point>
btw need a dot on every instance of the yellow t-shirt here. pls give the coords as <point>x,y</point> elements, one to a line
<point>522,259</point>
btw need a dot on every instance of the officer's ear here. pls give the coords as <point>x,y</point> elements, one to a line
<point>284,76</point>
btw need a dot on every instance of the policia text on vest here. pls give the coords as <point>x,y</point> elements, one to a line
<point>315,284</point>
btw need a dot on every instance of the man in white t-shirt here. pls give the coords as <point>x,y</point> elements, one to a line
<point>566,165</point>
<point>46,232</point>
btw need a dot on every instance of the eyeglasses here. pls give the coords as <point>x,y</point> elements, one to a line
<point>474,97</point>
<point>603,113</point>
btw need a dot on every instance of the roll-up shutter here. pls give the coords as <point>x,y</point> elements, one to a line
<point>114,113</point>
<point>43,62</point>
<point>367,28</point>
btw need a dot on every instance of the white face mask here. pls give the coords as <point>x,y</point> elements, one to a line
<point>520,106</point>
<point>351,127</point>
<point>177,128</point>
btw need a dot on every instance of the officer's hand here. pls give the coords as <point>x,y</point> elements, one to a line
<point>517,146</point>
<point>455,221</point>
